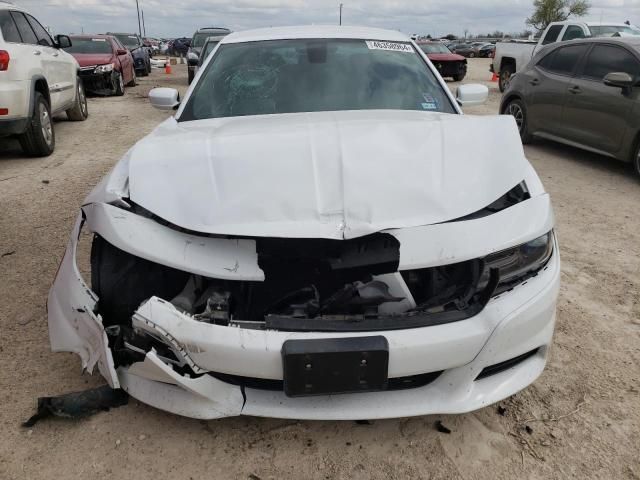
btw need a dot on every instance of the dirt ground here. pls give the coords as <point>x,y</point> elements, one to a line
<point>583,414</point>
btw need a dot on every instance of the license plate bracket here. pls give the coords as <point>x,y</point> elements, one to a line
<point>335,365</point>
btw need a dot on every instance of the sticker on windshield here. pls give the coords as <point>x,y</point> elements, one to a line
<point>389,46</point>
<point>430,103</point>
<point>98,39</point>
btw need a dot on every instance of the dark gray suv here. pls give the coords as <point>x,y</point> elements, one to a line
<point>583,93</point>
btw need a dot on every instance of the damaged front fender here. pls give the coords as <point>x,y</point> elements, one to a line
<point>73,325</point>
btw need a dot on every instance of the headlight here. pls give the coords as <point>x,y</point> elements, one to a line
<point>517,264</point>
<point>105,68</point>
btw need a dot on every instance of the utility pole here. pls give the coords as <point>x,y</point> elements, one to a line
<point>144,29</point>
<point>139,25</point>
<point>341,14</point>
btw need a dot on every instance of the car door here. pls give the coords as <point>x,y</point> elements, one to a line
<point>548,85</point>
<point>597,115</point>
<point>125,59</point>
<point>62,68</point>
<point>29,50</point>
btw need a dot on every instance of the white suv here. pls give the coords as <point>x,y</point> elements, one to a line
<point>37,80</point>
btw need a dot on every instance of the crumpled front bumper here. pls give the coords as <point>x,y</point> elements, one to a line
<point>514,323</point>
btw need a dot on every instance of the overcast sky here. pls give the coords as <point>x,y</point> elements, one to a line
<point>170,18</point>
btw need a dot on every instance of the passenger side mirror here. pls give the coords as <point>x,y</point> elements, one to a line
<point>618,79</point>
<point>472,95</point>
<point>122,51</point>
<point>63,41</point>
<point>164,98</point>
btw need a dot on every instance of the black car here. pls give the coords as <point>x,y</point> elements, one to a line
<point>197,42</point>
<point>141,57</point>
<point>179,46</point>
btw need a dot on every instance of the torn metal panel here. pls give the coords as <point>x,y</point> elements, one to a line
<point>227,259</point>
<point>73,325</point>
<point>339,183</point>
<point>157,384</point>
<point>447,243</point>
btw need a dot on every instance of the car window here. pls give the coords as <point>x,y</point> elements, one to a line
<point>89,45</point>
<point>605,59</point>
<point>26,32</point>
<point>314,75</point>
<point>563,61</point>
<point>552,34</point>
<point>611,30</point>
<point>8,28</point>
<point>573,32</point>
<point>44,38</point>
<point>131,41</point>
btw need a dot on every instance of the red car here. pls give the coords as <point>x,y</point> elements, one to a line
<point>448,63</point>
<point>105,64</point>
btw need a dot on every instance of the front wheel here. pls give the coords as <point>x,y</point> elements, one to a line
<point>518,111</point>
<point>505,77</point>
<point>636,161</point>
<point>118,84</point>
<point>190,75</point>
<point>79,112</point>
<point>458,78</point>
<point>472,55</point>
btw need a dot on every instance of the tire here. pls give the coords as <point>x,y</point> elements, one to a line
<point>118,87</point>
<point>517,109</point>
<point>80,111</point>
<point>458,78</point>
<point>636,161</point>
<point>505,77</point>
<point>149,67</point>
<point>472,55</point>
<point>190,75</point>
<point>39,140</point>
<point>134,79</point>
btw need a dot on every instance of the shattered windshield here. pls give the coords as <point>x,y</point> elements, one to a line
<point>306,75</point>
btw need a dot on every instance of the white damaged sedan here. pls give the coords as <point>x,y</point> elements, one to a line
<point>318,233</point>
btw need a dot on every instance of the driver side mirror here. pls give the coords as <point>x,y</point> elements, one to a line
<point>472,95</point>
<point>63,41</point>
<point>164,98</point>
<point>121,51</point>
<point>618,79</point>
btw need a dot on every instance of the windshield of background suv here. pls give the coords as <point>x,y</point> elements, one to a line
<point>434,48</point>
<point>201,37</point>
<point>610,30</point>
<point>208,49</point>
<point>129,41</point>
<point>89,45</point>
<point>290,76</point>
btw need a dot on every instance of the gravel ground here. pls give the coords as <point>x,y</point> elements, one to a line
<point>583,414</point>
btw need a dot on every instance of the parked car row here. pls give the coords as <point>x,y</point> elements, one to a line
<point>38,79</point>
<point>448,63</point>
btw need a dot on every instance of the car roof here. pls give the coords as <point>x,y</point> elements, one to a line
<point>315,31</point>
<point>204,29</point>
<point>86,35</point>
<point>4,5</point>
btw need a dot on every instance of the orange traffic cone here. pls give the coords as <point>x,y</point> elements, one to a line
<point>167,68</point>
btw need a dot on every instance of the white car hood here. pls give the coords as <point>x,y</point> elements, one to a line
<point>333,175</point>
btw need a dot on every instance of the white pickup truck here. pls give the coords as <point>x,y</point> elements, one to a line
<point>512,56</point>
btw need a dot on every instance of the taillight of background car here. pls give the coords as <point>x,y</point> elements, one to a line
<point>4,60</point>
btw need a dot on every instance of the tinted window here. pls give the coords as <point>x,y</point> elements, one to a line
<point>26,32</point>
<point>552,34</point>
<point>289,76</point>
<point>605,59</point>
<point>563,61</point>
<point>89,45</point>
<point>44,38</point>
<point>8,28</point>
<point>573,32</point>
